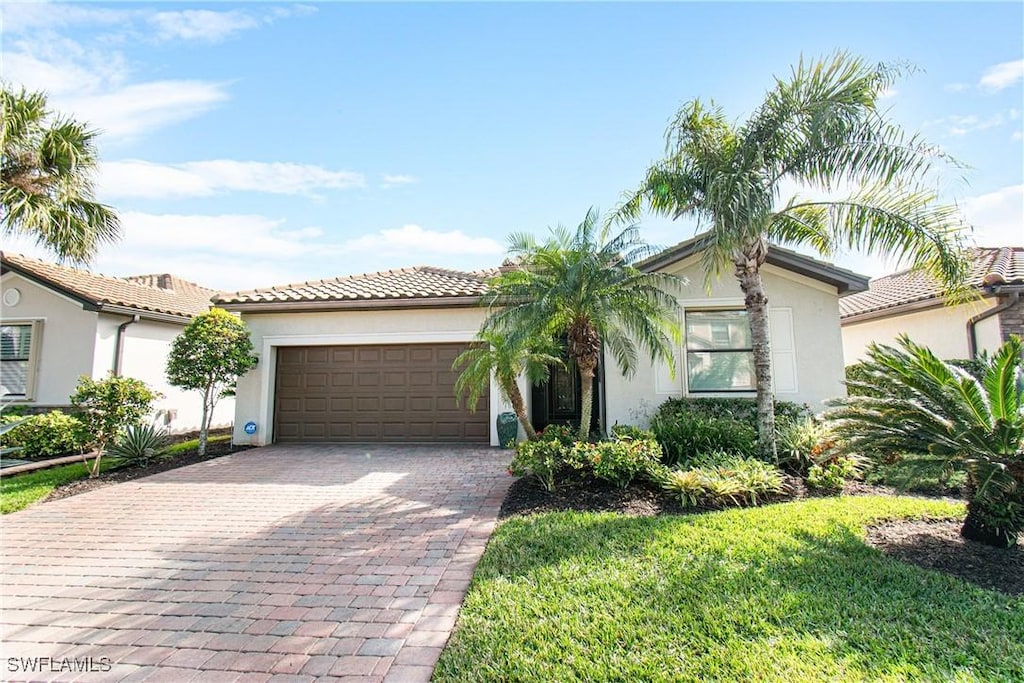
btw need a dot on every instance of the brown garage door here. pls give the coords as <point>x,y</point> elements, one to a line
<point>373,393</point>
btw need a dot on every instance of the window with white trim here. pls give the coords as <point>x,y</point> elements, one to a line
<point>17,359</point>
<point>719,352</point>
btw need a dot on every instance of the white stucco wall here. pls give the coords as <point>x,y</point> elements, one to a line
<point>255,401</point>
<point>807,362</point>
<point>943,329</point>
<point>147,345</point>
<point>68,338</point>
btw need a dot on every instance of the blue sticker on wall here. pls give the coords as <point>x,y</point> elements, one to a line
<point>250,427</point>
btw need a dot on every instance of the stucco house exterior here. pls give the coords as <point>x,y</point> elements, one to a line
<point>58,323</point>
<point>368,357</point>
<point>911,303</point>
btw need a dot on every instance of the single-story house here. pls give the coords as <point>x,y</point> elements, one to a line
<point>59,323</point>
<point>368,357</point>
<point>912,303</point>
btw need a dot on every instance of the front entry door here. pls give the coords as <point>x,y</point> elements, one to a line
<point>560,400</point>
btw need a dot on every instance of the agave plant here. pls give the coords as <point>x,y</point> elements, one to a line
<point>139,444</point>
<point>932,407</point>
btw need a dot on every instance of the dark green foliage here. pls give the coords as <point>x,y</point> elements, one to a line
<point>910,401</point>
<point>686,436</point>
<point>917,473</point>
<point>618,461</point>
<point>139,444</point>
<point>544,457</point>
<point>209,356</point>
<point>48,435</point>
<point>111,405</point>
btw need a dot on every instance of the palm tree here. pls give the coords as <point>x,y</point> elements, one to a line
<point>583,286</point>
<point>906,400</point>
<point>821,128</point>
<point>46,179</point>
<point>507,359</point>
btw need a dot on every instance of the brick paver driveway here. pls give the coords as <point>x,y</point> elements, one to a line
<point>282,563</point>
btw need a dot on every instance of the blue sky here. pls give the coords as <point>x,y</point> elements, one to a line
<point>256,144</point>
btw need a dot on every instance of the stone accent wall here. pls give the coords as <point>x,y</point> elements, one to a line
<point>1011,321</point>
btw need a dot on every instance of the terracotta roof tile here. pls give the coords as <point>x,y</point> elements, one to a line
<point>158,293</point>
<point>420,282</point>
<point>1000,265</point>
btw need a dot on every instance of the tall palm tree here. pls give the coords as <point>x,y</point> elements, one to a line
<point>507,359</point>
<point>820,128</point>
<point>46,179</point>
<point>583,285</point>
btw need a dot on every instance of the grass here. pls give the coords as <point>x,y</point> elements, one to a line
<point>193,444</point>
<point>785,592</point>
<point>18,491</point>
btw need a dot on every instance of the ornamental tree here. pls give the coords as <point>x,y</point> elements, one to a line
<point>108,406</point>
<point>209,356</point>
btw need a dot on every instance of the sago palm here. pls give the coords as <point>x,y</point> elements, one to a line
<point>583,285</point>
<point>46,179</point>
<point>909,401</point>
<point>820,128</point>
<point>506,359</point>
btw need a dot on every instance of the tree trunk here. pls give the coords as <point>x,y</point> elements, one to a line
<point>587,367</point>
<point>748,272</point>
<point>203,426</point>
<point>519,406</point>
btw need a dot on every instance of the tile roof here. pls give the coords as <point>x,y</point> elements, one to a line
<point>989,265</point>
<point>419,282</point>
<point>158,293</point>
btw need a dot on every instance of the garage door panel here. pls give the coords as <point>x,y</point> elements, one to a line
<point>373,393</point>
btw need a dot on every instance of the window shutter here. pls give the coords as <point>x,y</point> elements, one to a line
<point>784,378</point>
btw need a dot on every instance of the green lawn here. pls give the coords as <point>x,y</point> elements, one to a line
<point>786,592</point>
<point>21,490</point>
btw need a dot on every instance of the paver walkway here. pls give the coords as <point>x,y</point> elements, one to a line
<point>279,563</point>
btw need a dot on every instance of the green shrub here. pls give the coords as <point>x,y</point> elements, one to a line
<point>910,401</point>
<point>110,405</point>
<point>630,433</point>
<point>686,428</point>
<point>685,436</point>
<point>48,435</point>
<point>804,443</point>
<point>139,444</point>
<point>918,473</point>
<point>832,474</point>
<point>544,457</point>
<point>737,481</point>
<point>616,461</point>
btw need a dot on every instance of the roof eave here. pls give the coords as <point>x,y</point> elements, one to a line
<point>93,305</point>
<point>845,281</point>
<point>349,305</point>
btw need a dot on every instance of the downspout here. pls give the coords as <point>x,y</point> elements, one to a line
<point>119,348</point>
<point>972,335</point>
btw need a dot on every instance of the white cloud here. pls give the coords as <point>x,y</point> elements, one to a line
<point>201,25</point>
<point>960,125</point>
<point>956,87</point>
<point>142,108</point>
<point>997,217</point>
<point>888,93</point>
<point>20,17</point>
<point>91,86</point>
<point>392,180</point>
<point>1002,76</point>
<point>136,178</point>
<point>249,236</point>
<point>410,239</point>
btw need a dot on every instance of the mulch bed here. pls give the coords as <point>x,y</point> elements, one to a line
<point>213,450</point>
<point>935,545</point>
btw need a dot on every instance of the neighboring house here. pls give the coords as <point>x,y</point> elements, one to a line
<point>368,357</point>
<point>911,303</point>
<point>58,323</point>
